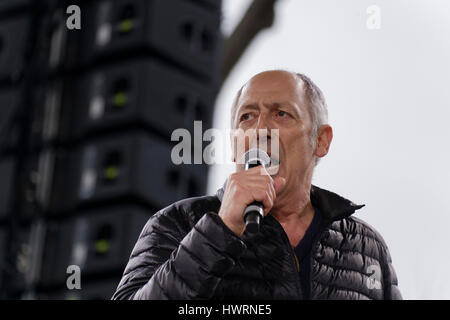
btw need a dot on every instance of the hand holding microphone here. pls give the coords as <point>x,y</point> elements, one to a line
<point>251,192</point>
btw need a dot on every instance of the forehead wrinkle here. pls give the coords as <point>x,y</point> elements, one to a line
<point>299,92</point>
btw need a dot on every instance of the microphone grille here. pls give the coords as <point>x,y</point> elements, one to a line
<point>255,157</point>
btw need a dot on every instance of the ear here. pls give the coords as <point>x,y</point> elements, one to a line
<point>324,137</point>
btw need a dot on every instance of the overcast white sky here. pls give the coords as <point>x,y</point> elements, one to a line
<point>389,105</point>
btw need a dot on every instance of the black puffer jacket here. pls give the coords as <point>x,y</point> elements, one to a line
<point>185,251</point>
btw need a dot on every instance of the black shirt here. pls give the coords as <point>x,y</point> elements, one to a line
<point>303,252</point>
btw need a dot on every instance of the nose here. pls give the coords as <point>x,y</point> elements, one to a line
<point>262,121</point>
<point>263,130</point>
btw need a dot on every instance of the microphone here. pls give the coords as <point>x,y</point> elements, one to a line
<point>254,212</point>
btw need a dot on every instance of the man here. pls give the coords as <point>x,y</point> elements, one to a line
<point>309,245</point>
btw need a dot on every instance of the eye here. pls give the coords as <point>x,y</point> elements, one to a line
<point>245,116</point>
<point>281,113</point>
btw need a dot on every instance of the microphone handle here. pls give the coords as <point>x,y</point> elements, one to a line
<point>253,215</point>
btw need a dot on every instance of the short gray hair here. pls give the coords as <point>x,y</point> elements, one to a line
<point>316,105</point>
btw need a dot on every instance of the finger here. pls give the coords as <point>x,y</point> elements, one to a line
<point>263,197</point>
<point>267,187</point>
<point>263,171</point>
<point>272,191</point>
<point>255,170</point>
<point>273,170</point>
<point>279,183</point>
<point>257,179</point>
<point>268,203</point>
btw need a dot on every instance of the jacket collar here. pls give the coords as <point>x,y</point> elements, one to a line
<point>331,205</point>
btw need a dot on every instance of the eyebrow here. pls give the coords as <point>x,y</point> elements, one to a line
<point>272,105</point>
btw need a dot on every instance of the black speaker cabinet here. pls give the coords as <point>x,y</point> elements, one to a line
<point>142,93</point>
<point>97,242</point>
<point>133,166</point>
<point>7,6</point>
<point>7,174</point>
<point>9,112</point>
<point>4,263</point>
<point>181,31</point>
<point>13,41</point>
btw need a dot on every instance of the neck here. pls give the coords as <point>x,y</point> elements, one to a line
<point>294,208</point>
<point>295,215</point>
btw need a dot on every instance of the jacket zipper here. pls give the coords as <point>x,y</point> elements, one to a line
<point>293,256</point>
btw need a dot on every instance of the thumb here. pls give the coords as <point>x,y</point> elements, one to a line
<point>278,183</point>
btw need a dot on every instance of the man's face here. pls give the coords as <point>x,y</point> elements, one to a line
<point>275,100</point>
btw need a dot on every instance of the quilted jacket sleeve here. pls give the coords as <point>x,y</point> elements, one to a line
<point>389,276</point>
<point>391,290</point>
<point>171,262</point>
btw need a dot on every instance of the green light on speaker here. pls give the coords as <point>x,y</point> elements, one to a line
<point>120,99</point>
<point>102,246</point>
<point>126,26</point>
<point>111,172</point>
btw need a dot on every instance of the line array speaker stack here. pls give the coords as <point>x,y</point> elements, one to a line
<point>86,122</point>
